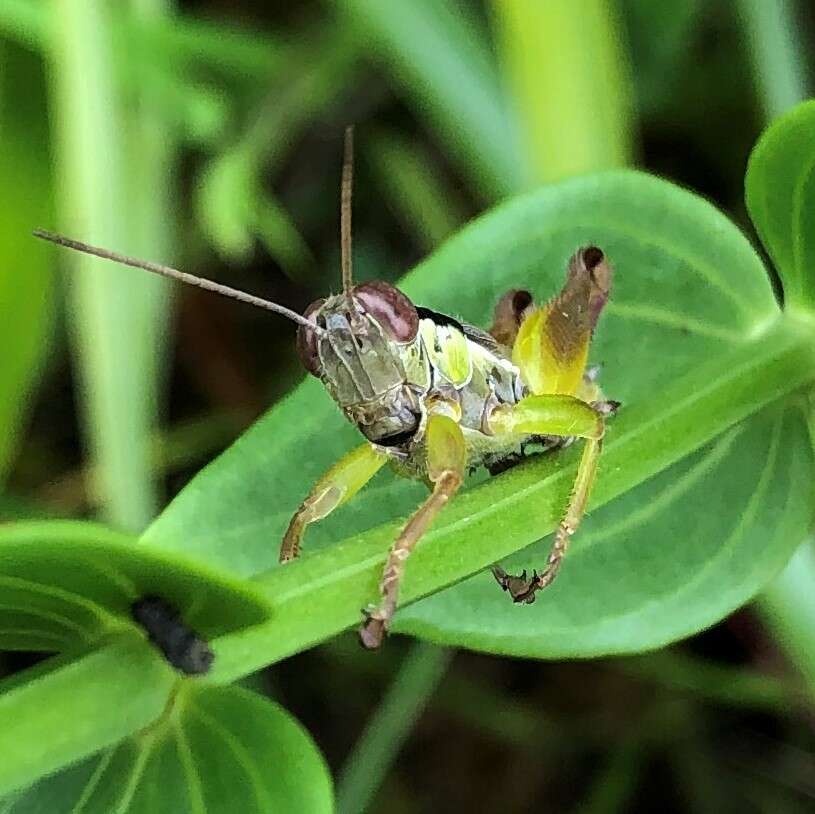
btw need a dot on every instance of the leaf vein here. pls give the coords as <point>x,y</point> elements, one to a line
<point>93,781</point>
<point>241,754</point>
<point>188,764</point>
<point>139,764</point>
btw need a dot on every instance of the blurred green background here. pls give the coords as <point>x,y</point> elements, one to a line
<point>208,135</point>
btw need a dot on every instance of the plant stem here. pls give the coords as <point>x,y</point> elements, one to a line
<point>510,721</point>
<point>617,780</point>
<point>779,63</point>
<point>389,727</point>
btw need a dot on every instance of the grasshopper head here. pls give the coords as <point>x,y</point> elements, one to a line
<point>368,357</point>
<point>363,344</point>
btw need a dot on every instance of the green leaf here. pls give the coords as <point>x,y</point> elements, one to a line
<point>780,187</point>
<point>217,749</point>
<point>692,343</point>
<point>236,510</point>
<point>110,693</point>
<point>67,584</point>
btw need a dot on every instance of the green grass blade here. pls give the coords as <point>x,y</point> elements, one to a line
<point>728,686</point>
<point>151,232</point>
<point>389,727</point>
<point>568,75</point>
<point>230,200</point>
<point>112,314</point>
<point>26,284</point>
<point>419,196</point>
<point>777,53</point>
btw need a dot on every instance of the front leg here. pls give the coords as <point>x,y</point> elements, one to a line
<point>565,416</point>
<point>336,487</point>
<point>446,459</point>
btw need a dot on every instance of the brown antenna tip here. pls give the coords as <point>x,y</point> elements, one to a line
<point>175,274</point>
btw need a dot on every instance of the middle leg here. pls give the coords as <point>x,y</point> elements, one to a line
<point>446,460</point>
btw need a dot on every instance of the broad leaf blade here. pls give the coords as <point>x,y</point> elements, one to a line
<point>780,188</point>
<point>65,584</point>
<point>220,749</point>
<point>691,321</point>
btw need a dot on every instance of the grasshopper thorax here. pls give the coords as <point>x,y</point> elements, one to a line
<point>368,356</point>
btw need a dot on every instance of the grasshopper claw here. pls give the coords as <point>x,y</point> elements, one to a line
<point>500,575</point>
<point>521,588</point>
<point>372,631</point>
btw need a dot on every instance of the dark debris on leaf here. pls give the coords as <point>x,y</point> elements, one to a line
<point>183,648</point>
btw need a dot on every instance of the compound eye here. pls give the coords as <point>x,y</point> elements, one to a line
<point>307,341</point>
<point>390,308</point>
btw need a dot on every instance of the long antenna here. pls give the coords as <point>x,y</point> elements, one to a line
<point>175,274</point>
<point>345,210</point>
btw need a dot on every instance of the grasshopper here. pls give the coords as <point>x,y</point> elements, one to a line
<point>435,397</point>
